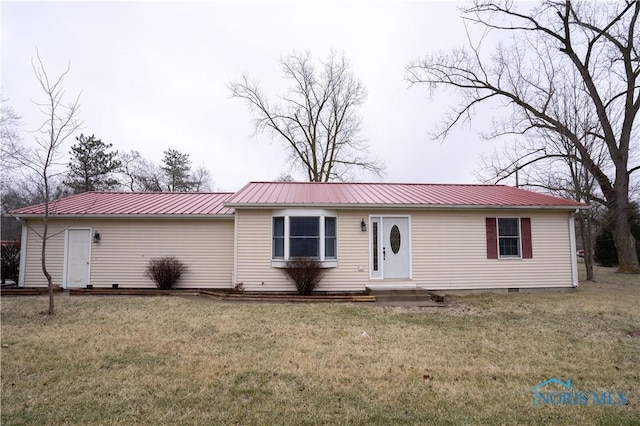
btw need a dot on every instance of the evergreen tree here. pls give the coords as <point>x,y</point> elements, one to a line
<point>177,170</point>
<point>92,165</point>
<point>605,250</point>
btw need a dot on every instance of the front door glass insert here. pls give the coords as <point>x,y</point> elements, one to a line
<point>394,239</point>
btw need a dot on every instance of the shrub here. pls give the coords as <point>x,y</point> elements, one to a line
<point>165,271</point>
<point>605,252</point>
<point>10,260</point>
<point>305,272</point>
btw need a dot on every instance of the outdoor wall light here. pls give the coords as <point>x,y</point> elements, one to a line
<point>96,237</point>
<point>363,226</point>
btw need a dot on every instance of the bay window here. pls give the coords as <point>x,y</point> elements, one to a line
<point>304,234</point>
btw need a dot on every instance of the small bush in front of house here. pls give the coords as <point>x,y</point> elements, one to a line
<point>165,271</point>
<point>305,272</point>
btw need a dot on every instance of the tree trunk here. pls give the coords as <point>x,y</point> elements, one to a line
<point>588,247</point>
<point>584,227</point>
<point>625,245</point>
<point>44,266</point>
<point>623,239</point>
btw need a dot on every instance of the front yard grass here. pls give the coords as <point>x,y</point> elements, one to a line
<point>169,360</point>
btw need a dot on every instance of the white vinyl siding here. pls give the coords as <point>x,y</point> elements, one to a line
<point>441,259</point>
<point>126,245</point>
<point>33,276</point>
<point>448,251</point>
<point>254,245</point>
<point>457,260</point>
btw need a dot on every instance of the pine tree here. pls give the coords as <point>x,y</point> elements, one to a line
<point>177,170</point>
<point>92,165</point>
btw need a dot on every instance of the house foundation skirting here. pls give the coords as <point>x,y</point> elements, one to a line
<point>462,292</point>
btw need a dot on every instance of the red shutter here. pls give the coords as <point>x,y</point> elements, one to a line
<point>525,230</point>
<point>492,238</point>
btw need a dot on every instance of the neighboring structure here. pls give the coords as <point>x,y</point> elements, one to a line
<point>367,235</point>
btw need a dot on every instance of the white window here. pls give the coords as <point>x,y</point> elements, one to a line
<point>304,234</point>
<point>278,237</point>
<point>509,237</point>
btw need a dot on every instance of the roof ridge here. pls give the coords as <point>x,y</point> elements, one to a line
<point>379,183</point>
<point>152,192</point>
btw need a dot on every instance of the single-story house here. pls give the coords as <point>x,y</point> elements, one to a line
<point>367,235</point>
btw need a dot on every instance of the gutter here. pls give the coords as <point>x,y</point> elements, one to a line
<point>404,206</point>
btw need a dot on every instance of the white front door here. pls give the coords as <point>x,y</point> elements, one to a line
<point>390,247</point>
<point>78,257</point>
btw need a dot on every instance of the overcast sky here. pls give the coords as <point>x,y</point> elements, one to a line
<point>154,75</point>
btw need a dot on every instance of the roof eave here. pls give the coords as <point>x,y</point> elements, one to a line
<point>404,206</point>
<point>127,216</point>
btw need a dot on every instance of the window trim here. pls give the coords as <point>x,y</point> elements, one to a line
<point>321,214</point>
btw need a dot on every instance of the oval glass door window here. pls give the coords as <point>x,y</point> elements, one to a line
<point>394,239</point>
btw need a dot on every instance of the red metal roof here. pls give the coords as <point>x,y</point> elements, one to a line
<point>135,204</point>
<point>265,194</point>
<point>291,194</point>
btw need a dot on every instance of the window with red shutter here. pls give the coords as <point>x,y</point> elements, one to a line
<point>509,237</point>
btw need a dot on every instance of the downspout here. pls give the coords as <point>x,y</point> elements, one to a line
<point>572,249</point>
<point>23,252</point>
<point>234,272</point>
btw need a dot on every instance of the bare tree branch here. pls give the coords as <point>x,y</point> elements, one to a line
<point>316,119</point>
<point>61,121</point>
<point>572,48</point>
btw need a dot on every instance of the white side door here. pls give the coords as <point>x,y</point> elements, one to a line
<point>78,257</point>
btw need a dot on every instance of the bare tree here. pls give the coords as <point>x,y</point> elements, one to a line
<point>201,179</point>
<point>317,117</point>
<point>27,191</point>
<point>531,77</point>
<point>10,123</point>
<point>129,168</point>
<point>151,177</point>
<point>550,161</point>
<point>139,174</point>
<point>285,177</point>
<point>42,158</point>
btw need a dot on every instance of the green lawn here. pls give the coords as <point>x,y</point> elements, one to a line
<point>171,360</point>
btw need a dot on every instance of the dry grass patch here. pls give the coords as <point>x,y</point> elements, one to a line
<point>166,360</point>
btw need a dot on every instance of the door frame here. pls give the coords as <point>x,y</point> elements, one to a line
<point>379,275</point>
<point>66,252</point>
